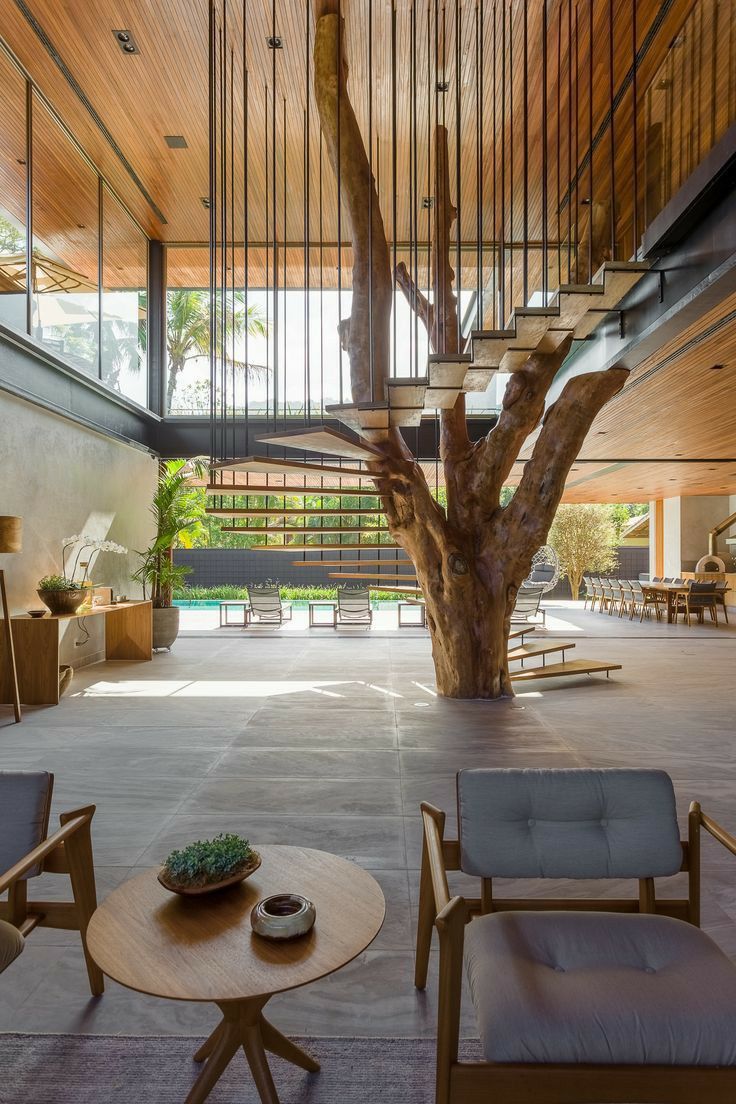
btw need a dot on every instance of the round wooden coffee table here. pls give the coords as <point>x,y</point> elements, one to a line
<point>203,949</point>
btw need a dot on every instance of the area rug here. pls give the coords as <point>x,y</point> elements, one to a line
<point>122,1069</point>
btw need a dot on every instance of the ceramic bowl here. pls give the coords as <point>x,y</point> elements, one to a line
<point>284,916</point>
<point>211,887</point>
<point>37,613</point>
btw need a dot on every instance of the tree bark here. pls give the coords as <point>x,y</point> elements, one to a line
<point>471,559</point>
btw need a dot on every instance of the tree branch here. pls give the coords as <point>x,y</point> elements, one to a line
<point>369,331</point>
<point>523,406</point>
<point>532,509</point>
<point>414,297</point>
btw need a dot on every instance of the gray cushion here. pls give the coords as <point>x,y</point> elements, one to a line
<point>25,800</point>
<point>11,944</point>
<point>567,823</point>
<point>600,988</point>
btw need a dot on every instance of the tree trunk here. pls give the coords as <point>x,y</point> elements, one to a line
<point>470,560</point>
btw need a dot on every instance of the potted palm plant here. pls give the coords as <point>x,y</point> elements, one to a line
<point>178,512</point>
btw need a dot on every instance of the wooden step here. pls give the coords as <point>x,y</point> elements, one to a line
<point>228,489</point>
<point>522,631</point>
<point>618,278</point>
<point>275,512</point>
<point>269,464</point>
<point>320,439</point>
<point>414,591</point>
<point>350,562</point>
<point>489,346</point>
<point>378,575</point>
<point>301,530</point>
<point>405,396</point>
<point>361,416</point>
<point>539,648</point>
<point>293,547</point>
<point>563,670</point>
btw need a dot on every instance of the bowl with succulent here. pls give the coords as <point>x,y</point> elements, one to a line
<point>209,865</point>
<point>60,595</point>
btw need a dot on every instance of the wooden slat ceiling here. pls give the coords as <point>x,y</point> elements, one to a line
<point>163,90</point>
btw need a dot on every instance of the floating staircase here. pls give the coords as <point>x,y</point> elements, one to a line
<point>575,308</point>
<point>539,648</point>
<point>561,670</point>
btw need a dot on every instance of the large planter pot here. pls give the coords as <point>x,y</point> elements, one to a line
<point>165,627</point>
<point>62,602</point>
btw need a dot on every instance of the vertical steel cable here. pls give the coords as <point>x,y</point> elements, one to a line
<point>429,155</point>
<point>307,222</point>
<point>458,175</point>
<point>545,162</point>
<point>267,248</point>
<point>576,177</point>
<point>512,239</point>
<point>502,289</point>
<point>321,295</point>
<point>558,203</point>
<point>393,186</point>
<point>232,236</point>
<point>590,138</point>
<point>568,188</point>
<point>223,231</point>
<point>369,82</point>
<point>284,326</point>
<point>525,256</point>
<point>634,109</point>
<point>338,185</point>
<point>612,116</point>
<point>246,227</point>
<point>479,91</point>
<point>495,323</point>
<point>414,258</point>
<point>274,223</point>
<point>212,98</point>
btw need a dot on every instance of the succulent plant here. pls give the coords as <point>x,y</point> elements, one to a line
<point>57,582</point>
<point>207,861</point>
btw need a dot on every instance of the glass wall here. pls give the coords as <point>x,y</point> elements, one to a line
<point>12,196</point>
<point>124,301</point>
<point>65,245</point>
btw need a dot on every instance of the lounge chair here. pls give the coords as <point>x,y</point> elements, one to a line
<point>576,999</point>
<point>353,606</point>
<point>26,850</point>
<point>266,605</point>
<point>527,606</point>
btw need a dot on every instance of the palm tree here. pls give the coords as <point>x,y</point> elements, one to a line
<point>188,329</point>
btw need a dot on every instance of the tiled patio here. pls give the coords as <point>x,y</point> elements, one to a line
<point>331,740</point>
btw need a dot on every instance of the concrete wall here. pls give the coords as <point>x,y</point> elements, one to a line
<point>63,479</point>
<point>687,521</point>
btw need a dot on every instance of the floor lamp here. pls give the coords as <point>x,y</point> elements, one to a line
<point>11,529</point>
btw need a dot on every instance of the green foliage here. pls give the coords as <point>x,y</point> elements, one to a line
<point>584,537</point>
<point>178,510</point>
<point>288,593</point>
<point>208,861</point>
<point>623,512</point>
<point>58,582</point>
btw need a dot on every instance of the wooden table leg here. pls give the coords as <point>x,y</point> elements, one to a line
<point>278,1044</point>
<point>671,607</point>
<point>209,1044</point>
<point>227,1040</point>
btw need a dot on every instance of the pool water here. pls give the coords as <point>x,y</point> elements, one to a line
<point>214,603</point>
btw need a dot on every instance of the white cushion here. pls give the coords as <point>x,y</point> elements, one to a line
<point>567,987</point>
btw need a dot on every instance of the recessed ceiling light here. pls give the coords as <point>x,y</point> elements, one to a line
<point>175,141</point>
<point>205,201</point>
<point>126,42</point>
<point>275,42</point>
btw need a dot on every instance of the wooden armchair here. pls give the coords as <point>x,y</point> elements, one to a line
<point>26,851</point>
<point>577,1000</point>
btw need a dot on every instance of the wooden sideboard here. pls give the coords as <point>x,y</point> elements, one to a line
<point>128,636</point>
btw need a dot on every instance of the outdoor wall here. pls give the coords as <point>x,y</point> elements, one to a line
<point>686,524</point>
<point>241,566</point>
<point>63,479</point>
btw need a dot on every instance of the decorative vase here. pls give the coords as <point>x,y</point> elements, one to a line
<point>165,627</point>
<point>211,887</point>
<point>88,592</point>
<point>61,602</point>
<point>284,916</point>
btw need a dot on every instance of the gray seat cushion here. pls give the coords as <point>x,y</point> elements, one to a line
<point>11,944</point>
<point>601,988</point>
<point>573,823</point>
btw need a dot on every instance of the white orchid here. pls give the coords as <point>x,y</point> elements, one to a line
<point>94,544</point>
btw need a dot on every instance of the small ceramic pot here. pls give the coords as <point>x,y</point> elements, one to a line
<point>285,916</point>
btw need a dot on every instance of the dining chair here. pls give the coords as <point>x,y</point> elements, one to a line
<point>698,598</point>
<point>721,589</point>
<point>576,999</point>
<point>627,598</point>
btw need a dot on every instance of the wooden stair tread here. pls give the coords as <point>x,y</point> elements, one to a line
<point>539,648</point>
<point>266,464</point>
<point>351,562</point>
<point>560,670</point>
<point>416,591</point>
<point>522,631</point>
<point>228,489</point>
<point>292,547</point>
<point>303,530</point>
<point>321,439</point>
<point>371,575</point>
<point>275,512</point>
